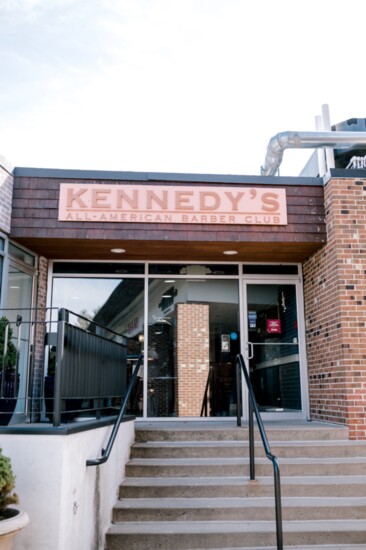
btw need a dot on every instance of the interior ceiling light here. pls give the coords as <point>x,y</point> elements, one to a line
<point>230,252</point>
<point>118,250</point>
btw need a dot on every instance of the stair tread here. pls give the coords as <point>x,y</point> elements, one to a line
<point>237,443</point>
<point>235,480</point>
<point>291,547</point>
<point>209,527</point>
<point>166,514</point>
<point>242,460</point>
<point>236,502</point>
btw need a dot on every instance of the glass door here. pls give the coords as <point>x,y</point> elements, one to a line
<point>193,339</point>
<point>272,346</point>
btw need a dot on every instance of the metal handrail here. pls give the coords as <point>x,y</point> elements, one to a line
<point>253,408</point>
<point>204,408</point>
<point>107,451</point>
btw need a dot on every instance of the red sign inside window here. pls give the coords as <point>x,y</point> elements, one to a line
<point>274,326</point>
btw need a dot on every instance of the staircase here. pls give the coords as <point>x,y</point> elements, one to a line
<point>187,487</point>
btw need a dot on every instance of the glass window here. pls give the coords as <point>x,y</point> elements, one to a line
<point>22,255</point>
<point>270,269</point>
<point>117,304</point>
<point>98,268</point>
<point>18,314</point>
<point>1,276</point>
<point>193,269</point>
<point>2,254</point>
<point>193,338</point>
<point>108,302</point>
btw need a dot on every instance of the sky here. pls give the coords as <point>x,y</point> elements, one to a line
<point>189,86</point>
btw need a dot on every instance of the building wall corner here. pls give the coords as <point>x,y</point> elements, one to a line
<point>335,310</point>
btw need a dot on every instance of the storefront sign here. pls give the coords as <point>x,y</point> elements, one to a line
<point>172,204</point>
<point>252,316</point>
<point>225,343</point>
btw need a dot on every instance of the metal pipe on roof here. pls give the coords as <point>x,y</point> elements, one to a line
<point>329,153</point>
<point>306,140</point>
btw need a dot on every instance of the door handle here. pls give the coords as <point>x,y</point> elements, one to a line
<point>250,351</point>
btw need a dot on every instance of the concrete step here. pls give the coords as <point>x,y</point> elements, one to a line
<point>233,449</point>
<point>201,467</point>
<point>227,430</point>
<point>316,547</point>
<point>189,489</point>
<point>240,486</point>
<point>185,535</point>
<point>238,509</point>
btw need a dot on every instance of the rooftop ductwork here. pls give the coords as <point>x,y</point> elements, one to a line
<point>308,140</point>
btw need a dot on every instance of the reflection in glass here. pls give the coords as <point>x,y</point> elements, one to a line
<point>192,343</point>
<point>273,346</point>
<point>193,269</point>
<point>117,304</point>
<point>19,302</point>
<point>1,276</point>
<point>21,255</point>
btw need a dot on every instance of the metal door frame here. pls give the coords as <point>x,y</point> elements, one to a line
<point>295,280</point>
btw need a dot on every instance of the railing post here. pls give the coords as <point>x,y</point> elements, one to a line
<point>277,488</point>
<point>6,335</point>
<point>19,325</point>
<point>251,440</point>
<point>62,316</point>
<point>238,394</point>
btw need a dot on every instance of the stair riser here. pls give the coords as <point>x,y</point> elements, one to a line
<point>237,452</point>
<point>211,470</point>
<point>157,471</point>
<point>240,514</point>
<point>187,541</point>
<point>241,434</point>
<point>176,491</point>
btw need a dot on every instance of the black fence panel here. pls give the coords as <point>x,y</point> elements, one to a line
<point>92,366</point>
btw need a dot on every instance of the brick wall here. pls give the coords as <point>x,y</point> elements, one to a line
<point>192,357</point>
<point>6,193</point>
<point>335,310</point>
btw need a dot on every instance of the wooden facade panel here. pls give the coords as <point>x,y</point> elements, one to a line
<point>35,224</point>
<point>36,228</point>
<point>141,250</point>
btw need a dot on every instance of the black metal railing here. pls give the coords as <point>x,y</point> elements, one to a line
<point>253,409</point>
<point>90,366</point>
<point>208,390</point>
<point>86,364</point>
<point>18,327</point>
<point>107,451</point>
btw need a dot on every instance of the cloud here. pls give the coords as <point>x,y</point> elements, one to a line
<point>182,85</point>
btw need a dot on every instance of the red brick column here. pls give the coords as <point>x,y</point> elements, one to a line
<point>335,310</point>
<point>192,357</point>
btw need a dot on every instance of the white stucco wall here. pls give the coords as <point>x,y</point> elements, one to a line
<point>69,503</point>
